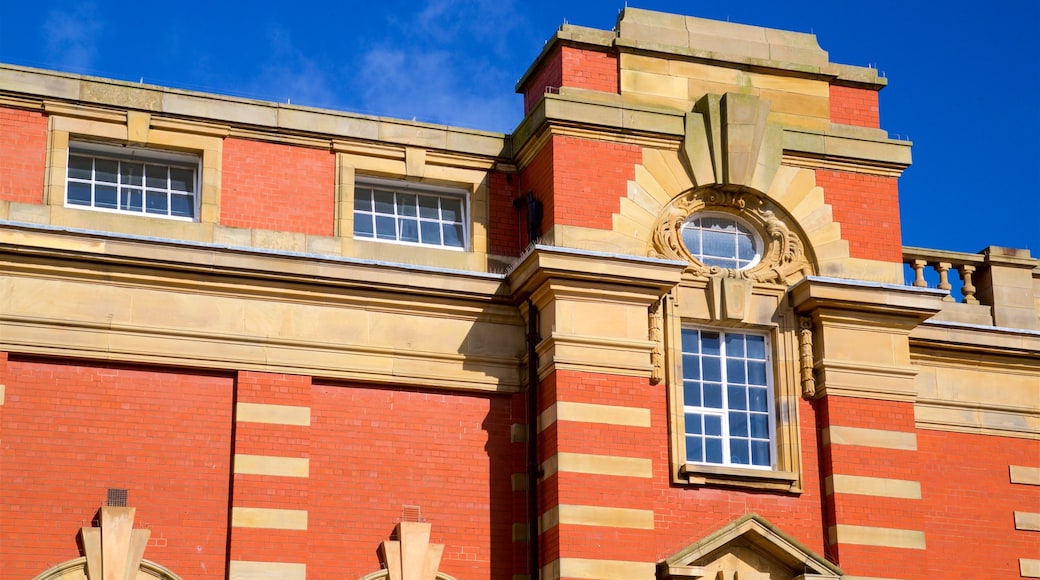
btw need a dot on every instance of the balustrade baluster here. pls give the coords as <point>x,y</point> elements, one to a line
<point>968,289</point>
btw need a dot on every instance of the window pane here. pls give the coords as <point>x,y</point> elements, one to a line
<point>760,426</point>
<point>156,176</point>
<point>182,179</point>
<point>430,231</point>
<point>131,173</point>
<point>106,170</point>
<point>756,347</point>
<point>712,425</point>
<point>756,372</point>
<point>738,452</point>
<point>738,426</point>
<point>694,449</point>
<point>692,393</point>
<point>718,245</point>
<point>105,196</point>
<point>690,341</point>
<point>406,205</point>
<point>384,203</point>
<point>80,167</point>
<point>713,450</point>
<point>713,395</point>
<point>692,238</point>
<point>182,205</point>
<point>386,227</point>
<point>712,368</point>
<point>736,397</point>
<point>691,366</point>
<point>428,208</point>
<point>452,235</point>
<point>693,424</point>
<point>155,202</point>
<point>409,230</point>
<point>735,345</point>
<point>760,453</point>
<point>79,193</point>
<point>363,199</point>
<point>710,343</point>
<point>363,225</point>
<point>745,247</point>
<point>735,371</point>
<point>757,399</point>
<point>451,210</point>
<point>131,199</point>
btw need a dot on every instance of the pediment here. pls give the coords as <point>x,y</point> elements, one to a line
<point>749,548</point>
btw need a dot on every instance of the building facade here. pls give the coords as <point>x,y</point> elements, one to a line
<point>661,330</point>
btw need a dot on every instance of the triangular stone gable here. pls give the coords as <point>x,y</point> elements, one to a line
<point>749,548</point>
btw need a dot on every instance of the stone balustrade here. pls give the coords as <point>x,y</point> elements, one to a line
<point>997,286</point>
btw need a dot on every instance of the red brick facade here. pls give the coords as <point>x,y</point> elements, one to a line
<point>854,106</point>
<point>291,408</point>
<point>867,207</point>
<point>285,188</point>
<point>23,155</point>
<point>72,429</point>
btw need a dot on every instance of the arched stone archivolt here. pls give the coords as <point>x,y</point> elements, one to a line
<point>77,570</point>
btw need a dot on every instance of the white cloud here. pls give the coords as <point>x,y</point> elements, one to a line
<point>437,76</point>
<point>71,37</point>
<point>434,87</point>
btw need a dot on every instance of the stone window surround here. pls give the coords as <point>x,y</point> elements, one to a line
<point>71,125</point>
<point>684,307</point>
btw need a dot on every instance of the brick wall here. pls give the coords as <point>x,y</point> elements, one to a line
<point>969,501</point>
<point>503,219</point>
<point>569,66</point>
<point>867,207</point>
<point>73,430</point>
<point>23,155</point>
<point>549,76</point>
<point>537,178</point>
<point>278,187</point>
<point>590,178</point>
<point>377,450</point>
<point>686,514</point>
<point>852,106</point>
<point>589,69</point>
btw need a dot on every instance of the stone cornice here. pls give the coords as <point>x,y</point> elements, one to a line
<point>28,88</point>
<point>903,305</point>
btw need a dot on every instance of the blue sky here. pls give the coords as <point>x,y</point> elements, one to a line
<point>964,77</point>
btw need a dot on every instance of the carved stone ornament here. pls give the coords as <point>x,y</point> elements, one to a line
<point>411,556</point>
<point>805,350</point>
<point>657,338</point>
<point>783,255</point>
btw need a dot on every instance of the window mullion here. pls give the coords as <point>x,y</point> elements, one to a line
<point>725,399</point>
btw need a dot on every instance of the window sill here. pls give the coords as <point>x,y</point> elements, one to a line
<point>698,474</point>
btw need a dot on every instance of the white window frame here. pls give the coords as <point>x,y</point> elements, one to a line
<point>141,155</point>
<point>756,240</point>
<point>419,190</point>
<point>723,412</point>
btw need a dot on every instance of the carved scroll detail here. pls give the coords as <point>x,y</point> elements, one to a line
<point>657,338</point>
<point>783,253</point>
<point>805,350</point>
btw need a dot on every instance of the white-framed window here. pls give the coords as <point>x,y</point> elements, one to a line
<point>410,214</point>
<point>132,180</point>
<point>727,398</point>
<point>718,239</point>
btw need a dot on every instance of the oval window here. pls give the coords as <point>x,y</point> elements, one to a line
<point>720,240</point>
